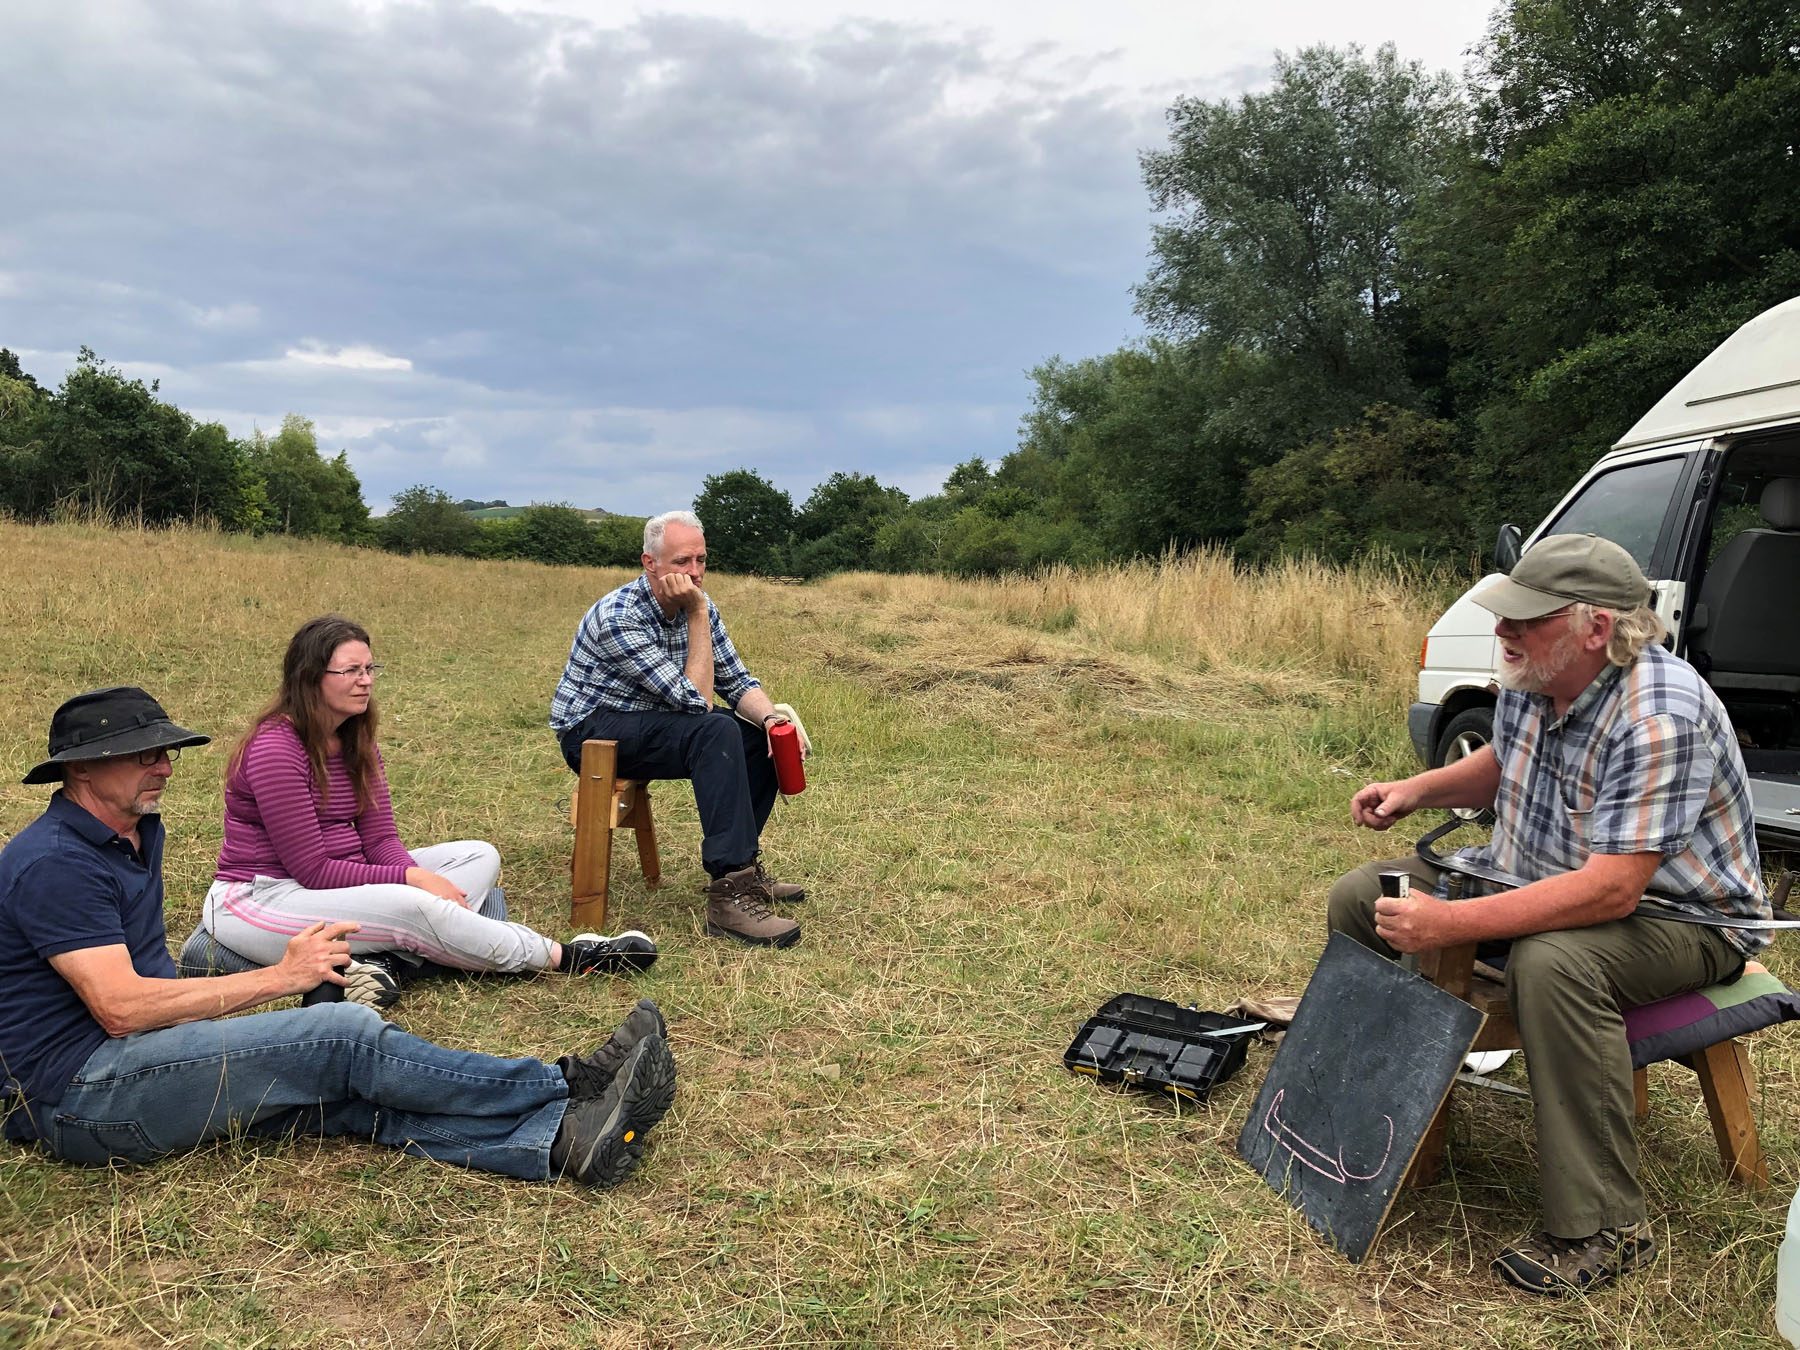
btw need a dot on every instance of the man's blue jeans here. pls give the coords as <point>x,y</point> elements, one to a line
<point>336,1068</point>
<point>726,758</point>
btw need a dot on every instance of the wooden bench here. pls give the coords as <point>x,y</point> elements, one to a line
<point>601,803</point>
<point>1723,1068</point>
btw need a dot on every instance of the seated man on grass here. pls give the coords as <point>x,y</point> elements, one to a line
<point>646,661</point>
<point>1613,771</point>
<point>106,1057</point>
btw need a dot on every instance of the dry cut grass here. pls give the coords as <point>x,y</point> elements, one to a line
<point>1029,795</point>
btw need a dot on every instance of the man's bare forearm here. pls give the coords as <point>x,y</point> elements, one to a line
<point>166,1003</point>
<point>755,706</point>
<point>699,669</point>
<point>123,1002</point>
<point>1471,782</point>
<point>1607,886</point>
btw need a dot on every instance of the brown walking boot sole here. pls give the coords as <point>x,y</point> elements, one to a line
<point>787,939</point>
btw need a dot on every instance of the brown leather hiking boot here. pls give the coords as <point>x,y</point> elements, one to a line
<point>737,906</point>
<point>778,892</point>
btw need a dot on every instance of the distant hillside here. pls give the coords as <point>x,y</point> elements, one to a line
<point>594,515</point>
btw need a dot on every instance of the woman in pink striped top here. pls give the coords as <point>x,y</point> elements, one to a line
<point>310,836</point>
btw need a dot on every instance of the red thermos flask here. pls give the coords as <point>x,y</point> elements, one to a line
<point>790,773</point>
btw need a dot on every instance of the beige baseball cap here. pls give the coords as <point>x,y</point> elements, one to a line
<point>1564,569</point>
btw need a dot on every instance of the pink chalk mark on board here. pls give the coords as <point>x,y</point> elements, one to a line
<point>1320,1161</point>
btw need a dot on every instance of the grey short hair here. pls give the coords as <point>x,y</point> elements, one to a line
<point>654,527</point>
<point>1633,630</point>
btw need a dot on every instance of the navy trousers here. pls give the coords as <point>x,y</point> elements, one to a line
<point>725,757</point>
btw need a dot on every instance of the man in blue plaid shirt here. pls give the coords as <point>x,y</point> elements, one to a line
<point>645,664</point>
<point>1613,771</point>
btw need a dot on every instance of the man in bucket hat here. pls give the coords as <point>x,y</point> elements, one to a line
<point>106,1057</point>
<point>1613,771</point>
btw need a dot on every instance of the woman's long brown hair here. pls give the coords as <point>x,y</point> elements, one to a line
<point>299,701</point>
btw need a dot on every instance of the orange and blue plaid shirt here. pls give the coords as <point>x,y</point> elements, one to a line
<point>628,656</point>
<point>1644,761</point>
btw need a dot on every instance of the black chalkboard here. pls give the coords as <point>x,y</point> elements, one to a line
<point>1369,1059</point>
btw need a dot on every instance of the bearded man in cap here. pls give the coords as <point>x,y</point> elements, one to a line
<point>106,1057</point>
<point>1613,771</point>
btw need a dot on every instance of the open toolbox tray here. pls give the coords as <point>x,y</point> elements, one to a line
<point>1159,1046</point>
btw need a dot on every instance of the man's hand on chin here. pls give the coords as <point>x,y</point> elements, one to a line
<point>1413,923</point>
<point>680,592</point>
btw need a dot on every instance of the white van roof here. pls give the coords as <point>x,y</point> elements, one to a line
<point>1751,379</point>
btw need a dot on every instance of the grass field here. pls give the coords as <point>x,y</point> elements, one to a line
<point>1028,796</point>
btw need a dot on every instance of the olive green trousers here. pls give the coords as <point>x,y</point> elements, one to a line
<point>1568,990</point>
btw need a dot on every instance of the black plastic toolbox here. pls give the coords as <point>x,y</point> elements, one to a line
<point>1159,1046</point>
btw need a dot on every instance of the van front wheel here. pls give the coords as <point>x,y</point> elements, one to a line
<point>1466,733</point>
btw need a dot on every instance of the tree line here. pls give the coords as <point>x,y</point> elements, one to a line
<point>1386,309</point>
<point>101,445</point>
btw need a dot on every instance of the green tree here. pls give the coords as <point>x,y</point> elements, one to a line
<point>836,529</point>
<point>1289,208</point>
<point>24,467</point>
<point>1543,62</point>
<point>1142,449</point>
<point>748,521</point>
<point>1633,202</point>
<point>555,532</point>
<point>618,541</point>
<point>308,494</point>
<point>983,545</point>
<point>108,443</point>
<point>969,481</point>
<point>424,520</point>
<point>10,369</point>
<point>906,543</point>
<point>1391,482</point>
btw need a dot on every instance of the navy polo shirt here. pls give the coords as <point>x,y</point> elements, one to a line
<point>68,882</point>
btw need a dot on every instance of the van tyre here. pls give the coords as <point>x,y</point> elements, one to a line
<point>1470,730</point>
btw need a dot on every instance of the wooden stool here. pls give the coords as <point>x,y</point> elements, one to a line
<point>600,804</point>
<point>1723,1069</point>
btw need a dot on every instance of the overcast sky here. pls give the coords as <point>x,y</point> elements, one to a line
<point>590,252</point>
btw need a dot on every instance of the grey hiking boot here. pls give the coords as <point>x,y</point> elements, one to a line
<point>372,979</point>
<point>601,1138</point>
<point>591,1074</point>
<point>737,906</point>
<point>778,892</point>
<point>1556,1266</point>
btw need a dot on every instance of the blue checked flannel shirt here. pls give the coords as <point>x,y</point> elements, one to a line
<point>1644,761</point>
<point>628,656</point>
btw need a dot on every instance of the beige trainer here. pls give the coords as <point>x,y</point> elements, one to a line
<point>737,906</point>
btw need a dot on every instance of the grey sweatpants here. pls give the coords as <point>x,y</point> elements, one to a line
<point>256,918</point>
<point>1568,991</point>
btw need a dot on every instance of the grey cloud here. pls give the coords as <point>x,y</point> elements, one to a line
<point>778,249</point>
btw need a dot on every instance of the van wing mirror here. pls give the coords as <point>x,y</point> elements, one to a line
<point>1506,548</point>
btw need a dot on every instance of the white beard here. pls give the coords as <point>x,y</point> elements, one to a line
<point>1533,677</point>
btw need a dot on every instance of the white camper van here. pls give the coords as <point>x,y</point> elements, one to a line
<point>1705,493</point>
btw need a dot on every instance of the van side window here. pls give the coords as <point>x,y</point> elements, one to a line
<point>1749,469</point>
<point>1626,506</point>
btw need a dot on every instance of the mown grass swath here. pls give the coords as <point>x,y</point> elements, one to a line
<point>1030,794</point>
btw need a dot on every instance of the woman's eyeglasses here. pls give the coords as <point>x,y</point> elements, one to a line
<point>357,672</point>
